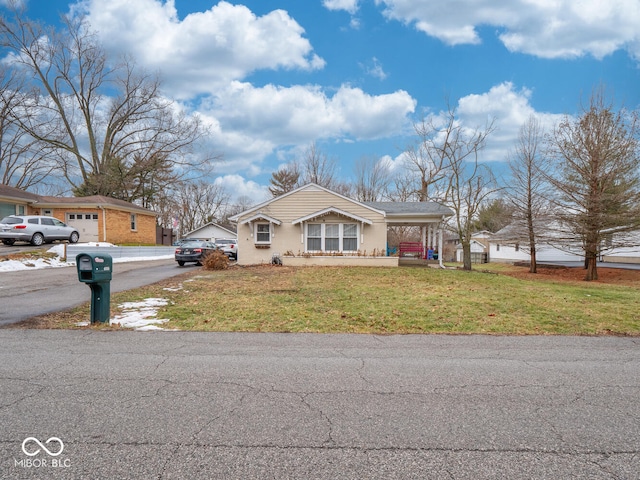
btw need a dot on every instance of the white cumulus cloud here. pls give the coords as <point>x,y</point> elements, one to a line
<point>274,115</point>
<point>350,6</point>
<point>241,187</point>
<point>203,50</point>
<point>509,109</point>
<point>545,28</point>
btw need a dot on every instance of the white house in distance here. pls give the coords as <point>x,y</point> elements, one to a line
<point>313,225</point>
<point>211,232</point>
<point>507,246</point>
<point>479,247</point>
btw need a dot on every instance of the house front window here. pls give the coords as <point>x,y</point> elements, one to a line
<point>263,233</point>
<point>133,222</point>
<point>332,237</point>
<point>314,237</point>
<point>350,237</point>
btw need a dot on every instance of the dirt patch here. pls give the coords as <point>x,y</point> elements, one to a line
<point>612,276</point>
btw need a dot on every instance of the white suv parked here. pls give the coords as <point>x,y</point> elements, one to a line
<point>229,246</point>
<point>35,229</point>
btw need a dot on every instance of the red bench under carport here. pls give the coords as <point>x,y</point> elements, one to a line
<point>412,249</point>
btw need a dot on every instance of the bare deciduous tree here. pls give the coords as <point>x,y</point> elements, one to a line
<point>427,160</point>
<point>529,190</point>
<point>597,175</point>
<point>197,203</point>
<point>373,177</point>
<point>469,182</point>
<point>23,162</point>
<point>316,167</point>
<point>101,118</point>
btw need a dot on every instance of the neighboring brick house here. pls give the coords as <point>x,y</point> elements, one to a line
<point>97,218</point>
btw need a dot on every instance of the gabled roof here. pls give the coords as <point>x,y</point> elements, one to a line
<point>308,186</point>
<point>328,211</point>
<point>84,202</point>
<point>210,224</point>
<point>262,216</point>
<point>92,201</point>
<point>17,194</point>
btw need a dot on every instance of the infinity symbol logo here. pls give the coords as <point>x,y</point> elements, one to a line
<point>33,439</point>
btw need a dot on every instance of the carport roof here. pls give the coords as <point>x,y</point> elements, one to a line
<point>393,209</point>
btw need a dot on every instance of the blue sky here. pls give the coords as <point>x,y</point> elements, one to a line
<point>272,76</point>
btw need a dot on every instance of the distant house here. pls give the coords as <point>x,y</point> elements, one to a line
<point>313,225</point>
<point>508,245</point>
<point>627,249</point>
<point>479,247</point>
<point>211,231</point>
<point>479,252</point>
<point>97,218</point>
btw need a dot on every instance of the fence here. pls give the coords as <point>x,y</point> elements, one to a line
<point>119,252</point>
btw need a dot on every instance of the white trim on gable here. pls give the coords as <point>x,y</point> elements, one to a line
<point>261,216</point>
<point>328,211</point>
<point>210,224</point>
<point>311,187</point>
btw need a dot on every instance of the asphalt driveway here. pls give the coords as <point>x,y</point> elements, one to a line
<point>27,293</point>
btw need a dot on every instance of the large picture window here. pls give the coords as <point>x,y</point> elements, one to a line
<point>332,237</point>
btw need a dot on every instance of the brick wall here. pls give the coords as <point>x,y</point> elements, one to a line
<point>118,224</point>
<point>119,228</point>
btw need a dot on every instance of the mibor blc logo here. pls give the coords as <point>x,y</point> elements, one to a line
<point>53,447</point>
<point>29,440</point>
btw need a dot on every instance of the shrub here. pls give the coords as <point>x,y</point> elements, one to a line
<point>216,261</point>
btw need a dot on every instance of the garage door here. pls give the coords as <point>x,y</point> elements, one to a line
<point>86,224</point>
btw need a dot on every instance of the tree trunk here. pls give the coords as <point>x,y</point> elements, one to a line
<point>466,255</point>
<point>592,269</point>
<point>533,266</point>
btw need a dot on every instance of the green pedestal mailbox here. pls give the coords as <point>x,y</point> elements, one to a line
<point>95,270</point>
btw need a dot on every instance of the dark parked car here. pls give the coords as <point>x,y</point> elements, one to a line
<point>177,243</point>
<point>194,251</point>
<point>36,229</point>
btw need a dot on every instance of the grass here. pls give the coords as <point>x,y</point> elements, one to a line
<point>385,301</point>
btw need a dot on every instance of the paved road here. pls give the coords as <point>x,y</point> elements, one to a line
<point>26,294</point>
<point>173,405</point>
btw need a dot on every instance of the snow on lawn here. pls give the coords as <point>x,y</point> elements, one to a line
<point>141,315</point>
<point>58,250</point>
<point>137,315</point>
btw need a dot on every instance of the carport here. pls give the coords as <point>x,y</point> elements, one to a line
<point>428,216</point>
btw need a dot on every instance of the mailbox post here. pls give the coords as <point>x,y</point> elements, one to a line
<point>96,270</point>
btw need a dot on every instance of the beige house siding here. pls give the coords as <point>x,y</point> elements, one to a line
<point>289,238</point>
